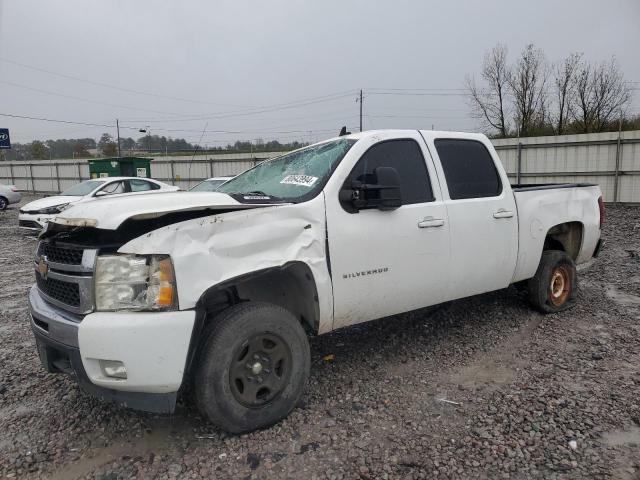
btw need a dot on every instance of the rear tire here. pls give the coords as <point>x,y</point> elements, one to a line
<point>253,366</point>
<point>3,204</point>
<point>554,287</point>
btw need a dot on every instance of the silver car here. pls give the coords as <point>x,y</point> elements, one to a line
<point>8,194</point>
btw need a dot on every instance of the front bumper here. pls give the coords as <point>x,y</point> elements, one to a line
<point>152,346</point>
<point>33,222</point>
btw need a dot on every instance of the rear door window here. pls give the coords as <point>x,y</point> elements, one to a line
<point>140,185</point>
<point>468,168</point>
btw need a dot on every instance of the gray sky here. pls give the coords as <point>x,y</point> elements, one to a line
<point>234,65</point>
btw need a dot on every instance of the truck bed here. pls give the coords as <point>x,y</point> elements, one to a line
<point>525,187</point>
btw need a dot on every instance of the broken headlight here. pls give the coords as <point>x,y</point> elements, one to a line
<point>134,282</point>
<point>54,209</point>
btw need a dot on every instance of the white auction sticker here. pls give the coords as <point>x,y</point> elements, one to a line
<point>304,180</point>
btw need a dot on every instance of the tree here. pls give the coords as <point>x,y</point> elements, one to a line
<point>110,149</point>
<point>127,143</point>
<point>527,83</point>
<point>489,103</point>
<point>105,139</point>
<point>39,150</point>
<point>564,84</point>
<point>600,95</point>
<point>80,150</point>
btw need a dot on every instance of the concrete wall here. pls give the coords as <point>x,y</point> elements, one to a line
<point>592,158</point>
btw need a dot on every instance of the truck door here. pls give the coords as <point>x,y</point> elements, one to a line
<point>482,216</point>
<point>387,262</point>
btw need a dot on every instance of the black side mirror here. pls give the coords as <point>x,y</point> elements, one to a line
<point>383,192</point>
<point>388,185</point>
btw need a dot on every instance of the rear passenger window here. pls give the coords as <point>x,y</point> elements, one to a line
<point>468,169</point>
<point>406,157</point>
<point>140,185</point>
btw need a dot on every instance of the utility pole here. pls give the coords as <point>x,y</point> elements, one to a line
<point>118,129</point>
<point>360,109</point>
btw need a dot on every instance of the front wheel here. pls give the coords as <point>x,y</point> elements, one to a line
<point>555,285</point>
<point>3,203</point>
<point>253,366</point>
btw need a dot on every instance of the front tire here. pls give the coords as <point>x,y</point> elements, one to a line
<point>253,366</point>
<point>554,287</point>
<point>3,204</point>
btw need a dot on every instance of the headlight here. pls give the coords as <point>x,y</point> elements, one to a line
<point>53,210</point>
<point>134,282</point>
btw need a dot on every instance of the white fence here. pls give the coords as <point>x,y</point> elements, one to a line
<point>52,176</point>
<point>604,158</point>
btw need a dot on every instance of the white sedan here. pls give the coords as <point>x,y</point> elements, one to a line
<point>8,194</point>
<point>34,215</point>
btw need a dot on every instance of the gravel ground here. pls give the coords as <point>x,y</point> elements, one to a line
<point>483,388</point>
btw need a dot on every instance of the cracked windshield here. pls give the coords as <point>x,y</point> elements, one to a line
<point>291,176</point>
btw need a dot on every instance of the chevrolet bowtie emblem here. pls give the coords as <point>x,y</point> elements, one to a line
<point>43,267</point>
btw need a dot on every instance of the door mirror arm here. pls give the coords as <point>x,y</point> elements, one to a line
<point>384,194</point>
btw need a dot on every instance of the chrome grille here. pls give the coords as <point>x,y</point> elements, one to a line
<point>64,276</point>
<point>66,255</point>
<point>65,292</point>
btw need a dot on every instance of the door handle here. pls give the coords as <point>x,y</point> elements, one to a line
<point>430,222</point>
<point>502,213</point>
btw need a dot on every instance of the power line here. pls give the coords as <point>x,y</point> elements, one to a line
<point>416,89</point>
<point>70,122</point>
<point>420,94</point>
<point>198,101</point>
<point>272,108</point>
<point>47,92</point>
<point>114,87</point>
<point>42,119</point>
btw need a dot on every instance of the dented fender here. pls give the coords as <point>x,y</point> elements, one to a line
<point>210,250</point>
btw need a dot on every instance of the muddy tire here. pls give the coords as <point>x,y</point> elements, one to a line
<point>252,367</point>
<point>555,285</point>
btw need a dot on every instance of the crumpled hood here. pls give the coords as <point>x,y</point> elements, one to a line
<point>110,212</point>
<point>49,202</point>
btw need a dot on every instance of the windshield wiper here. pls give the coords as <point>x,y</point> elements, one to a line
<point>256,192</point>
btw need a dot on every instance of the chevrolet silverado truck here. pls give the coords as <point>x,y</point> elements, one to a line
<point>217,292</point>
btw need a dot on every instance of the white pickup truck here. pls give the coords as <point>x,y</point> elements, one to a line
<point>140,298</point>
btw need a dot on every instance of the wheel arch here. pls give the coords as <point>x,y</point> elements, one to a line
<point>291,286</point>
<point>567,237</point>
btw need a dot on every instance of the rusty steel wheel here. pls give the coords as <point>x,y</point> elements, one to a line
<point>560,286</point>
<point>554,286</point>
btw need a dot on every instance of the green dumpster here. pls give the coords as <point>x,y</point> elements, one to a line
<point>120,167</point>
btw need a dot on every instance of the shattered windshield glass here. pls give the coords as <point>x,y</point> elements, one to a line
<point>296,175</point>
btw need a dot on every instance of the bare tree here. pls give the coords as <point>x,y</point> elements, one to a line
<point>564,81</point>
<point>527,83</point>
<point>489,103</point>
<point>600,94</point>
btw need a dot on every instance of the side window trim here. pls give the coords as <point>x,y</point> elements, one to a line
<point>493,162</point>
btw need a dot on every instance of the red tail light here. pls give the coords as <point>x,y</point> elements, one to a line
<point>602,213</point>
